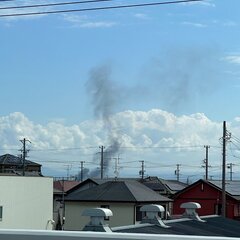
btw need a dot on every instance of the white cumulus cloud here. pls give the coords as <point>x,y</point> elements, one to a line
<point>156,136</point>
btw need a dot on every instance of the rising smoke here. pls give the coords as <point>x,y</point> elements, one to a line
<point>178,78</point>
<point>104,96</point>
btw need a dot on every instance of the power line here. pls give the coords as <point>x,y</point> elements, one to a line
<point>51,4</point>
<point>62,149</point>
<point>98,8</point>
<point>186,146</point>
<point>236,138</point>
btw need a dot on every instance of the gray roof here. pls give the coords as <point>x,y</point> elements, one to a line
<point>232,187</point>
<point>213,226</point>
<point>8,159</point>
<point>118,191</point>
<point>158,184</point>
<point>174,185</point>
<point>154,183</point>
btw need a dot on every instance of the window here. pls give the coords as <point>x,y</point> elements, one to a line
<point>108,207</point>
<point>1,212</point>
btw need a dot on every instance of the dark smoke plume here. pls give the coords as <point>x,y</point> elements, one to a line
<point>104,94</point>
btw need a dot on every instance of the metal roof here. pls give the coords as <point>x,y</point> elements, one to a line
<point>232,187</point>
<point>14,234</point>
<point>118,191</point>
<point>213,226</point>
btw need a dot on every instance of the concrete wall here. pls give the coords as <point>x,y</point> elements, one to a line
<point>27,202</point>
<point>123,214</point>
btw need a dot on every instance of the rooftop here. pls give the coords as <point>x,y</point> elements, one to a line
<point>212,226</point>
<point>118,191</point>
<point>8,159</point>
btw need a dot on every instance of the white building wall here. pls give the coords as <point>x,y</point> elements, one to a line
<point>123,214</point>
<point>27,202</point>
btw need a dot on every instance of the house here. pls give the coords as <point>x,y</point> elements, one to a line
<point>10,164</point>
<point>124,198</point>
<point>189,227</point>
<point>209,195</point>
<point>60,189</point>
<point>162,186</point>
<point>26,202</point>
<point>65,185</point>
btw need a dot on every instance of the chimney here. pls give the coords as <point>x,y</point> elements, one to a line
<point>190,210</point>
<point>97,216</point>
<point>152,216</point>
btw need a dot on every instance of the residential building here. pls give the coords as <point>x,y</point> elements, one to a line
<point>10,164</point>
<point>162,186</point>
<point>209,195</point>
<point>189,227</point>
<point>124,198</point>
<point>61,189</point>
<point>26,202</point>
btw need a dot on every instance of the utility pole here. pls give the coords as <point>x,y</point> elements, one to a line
<point>69,166</point>
<point>230,166</point>
<point>24,154</point>
<point>63,205</point>
<point>224,170</point>
<point>116,170</point>
<point>141,172</point>
<point>226,137</point>
<point>177,171</point>
<point>206,162</point>
<point>101,165</point>
<point>82,170</point>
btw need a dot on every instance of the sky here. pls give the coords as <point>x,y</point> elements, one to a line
<point>150,84</point>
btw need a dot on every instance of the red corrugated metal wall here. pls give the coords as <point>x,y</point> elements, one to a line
<point>207,196</point>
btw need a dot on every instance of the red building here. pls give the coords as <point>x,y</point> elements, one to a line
<point>209,195</point>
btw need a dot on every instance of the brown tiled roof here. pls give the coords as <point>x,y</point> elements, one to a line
<point>65,185</point>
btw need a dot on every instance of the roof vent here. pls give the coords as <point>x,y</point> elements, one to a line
<point>152,216</point>
<point>97,216</point>
<point>190,210</point>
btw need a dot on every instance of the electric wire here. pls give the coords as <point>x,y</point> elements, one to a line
<point>97,8</point>
<point>52,4</point>
<point>238,148</point>
<point>235,138</point>
<point>232,153</point>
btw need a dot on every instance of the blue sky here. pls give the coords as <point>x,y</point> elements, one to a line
<point>181,59</point>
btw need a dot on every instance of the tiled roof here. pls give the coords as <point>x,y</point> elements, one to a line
<point>65,185</point>
<point>174,185</point>
<point>8,159</point>
<point>158,184</point>
<point>118,191</point>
